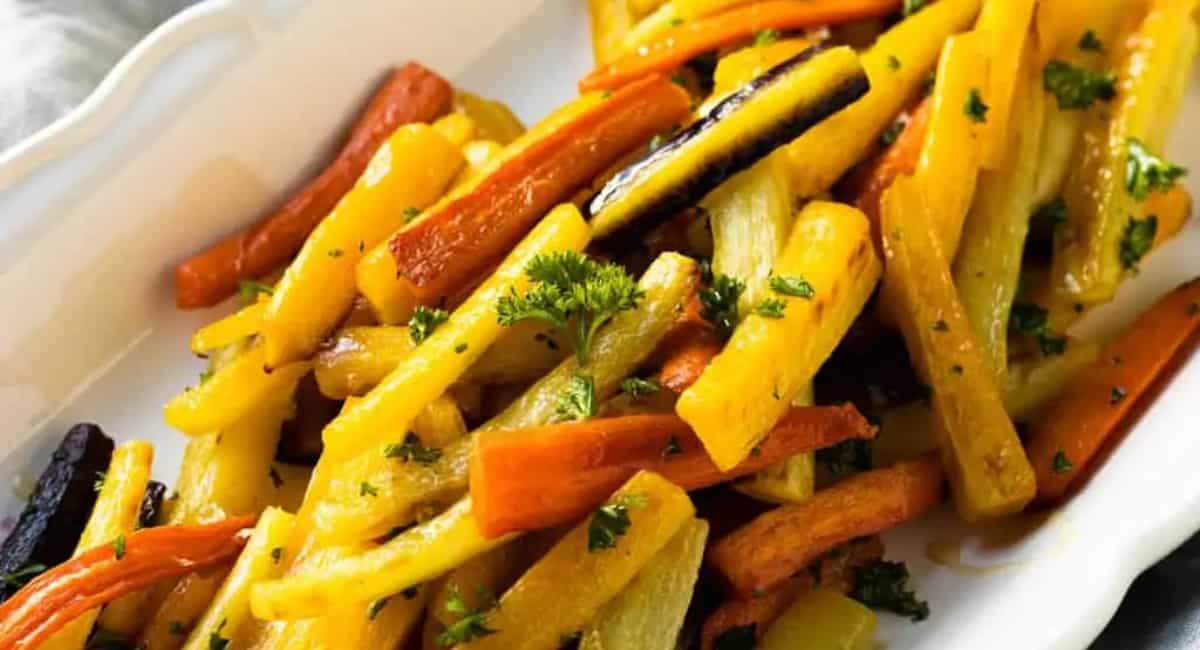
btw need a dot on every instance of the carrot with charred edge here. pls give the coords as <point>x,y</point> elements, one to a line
<point>865,185</point>
<point>762,554</point>
<point>757,613</point>
<point>412,94</point>
<point>1066,439</point>
<point>524,479</point>
<point>453,244</point>
<point>105,573</point>
<point>688,358</point>
<point>680,44</point>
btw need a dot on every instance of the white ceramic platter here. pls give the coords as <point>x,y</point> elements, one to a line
<point>228,106</point>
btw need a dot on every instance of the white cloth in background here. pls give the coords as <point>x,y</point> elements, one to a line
<point>53,53</point>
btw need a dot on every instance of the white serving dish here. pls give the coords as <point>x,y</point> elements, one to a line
<point>229,105</point>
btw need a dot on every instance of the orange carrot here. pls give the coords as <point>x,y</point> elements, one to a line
<point>105,573</point>
<point>523,479</point>
<point>1065,439</point>
<point>688,357</point>
<point>865,185</point>
<point>835,571</point>
<point>764,553</point>
<point>412,94</point>
<point>455,243</point>
<point>678,45</point>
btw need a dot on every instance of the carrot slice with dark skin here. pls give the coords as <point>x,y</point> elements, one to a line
<point>412,94</point>
<point>766,552</point>
<point>105,573</point>
<point>446,249</point>
<point>527,479</point>
<point>678,45</point>
<point>688,358</point>
<point>865,185</point>
<point>1065,440</point>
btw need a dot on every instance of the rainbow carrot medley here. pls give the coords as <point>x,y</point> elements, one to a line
<point>662,369</point>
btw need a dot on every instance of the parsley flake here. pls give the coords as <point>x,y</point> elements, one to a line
<point>335,252</point>
<point>276,554</point>
<point>719,303</point>
<point>1117,395</point>
<point>940,325</point>
<point>884,585</point>
<point>424,321</point>
<point>1077,88</point>
<point>410,213</point>
<point>672,448</point>
<point>1032,320</point>
<point>215,640</point>
<point>1137,240</point>
<point>1061,464</point>
<point>610,522</point>
<point>765,37</point>
<point>846,457</point>
<point>638,387</point>
<point>249,289</point>
<point>1089,42</point>
<point>23,575</point>
<point>573,293</point>
<point>793,286</point>
<point>892,62</point>
<point>365,489</point>
<point>913,6</point>
<point>472,625</point>
<point>1146,172</point>
<point>412,450</point>
<point>175,628</point>
<point>892,133</point>
<point>578,400</point>
<point>771,308</point>
<point>118,547</point>
<point>974,107</point>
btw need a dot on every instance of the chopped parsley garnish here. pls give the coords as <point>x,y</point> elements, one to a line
<point>335,252</point>
<point>672,448</point>
<point>738,637</point>
<point>215,640</point>
<point>578,400</point>
<point>276,554</point>
<point>424,321</point>
<point>1062,464</point>
<point>1117,395</point>
<point>472,625</point>
<point>940,325</point>
<point>1089,42</point>
<point>574,293</point>
<point>1146,172</point>
<point>974,106</point>
<point>765,37</point>
<point>1076,88</point>
<point>410,213</point>
<point>1137,240</point>
<point>892,133</point>
<point>610,522</point>
<point>118,547</point>
<point>366,489</point>
<point>678,79</point>
<point>771,308</point>
<point>1028,319</point>
<point>913,6</point>
<point>793,286</point>
<point>675,22</point>
<point>956,369</point>
<point>570,640</point>
<point>205,375</point>
<point>638,387</point>
<point>249,289</point>
<point>719,303</point>
<point>175,628</point>
<point>460,348</point>
<point>377,606</point>
<point>847,456</point>
<point>23,575</point>
<point>412,450</point>
<point>893,62</point>
<point>884,585</point>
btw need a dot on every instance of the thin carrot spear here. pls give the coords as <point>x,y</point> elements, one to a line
<point>105,573</point>
<point>1066,439</point>
<point>764,553</point>
<point>680,44</point>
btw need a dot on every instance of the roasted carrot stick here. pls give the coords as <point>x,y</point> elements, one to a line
<point>764,553</point>
<point>523,479</point>
<point>453,244</point>
<point>1066,439</point>
<point>412,94</point>
<point>105,573</point>
<point>750,617</point>
<point>678,45</point>
<point>689,356</point>
<point>865,185</point>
